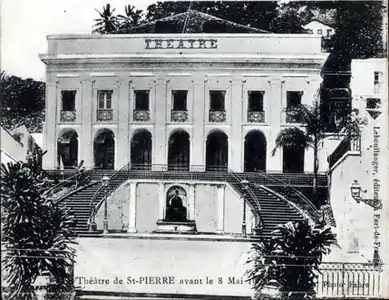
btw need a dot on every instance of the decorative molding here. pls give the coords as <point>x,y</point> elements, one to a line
<point>67,75</point>
<point>179,74</point>
<point>179,115</point>
<point>102,74</point>
<point>141,74</point>
<point>256,117</point>
<point>141,115</point>
<point>217,116</point>
<point>104,115</point>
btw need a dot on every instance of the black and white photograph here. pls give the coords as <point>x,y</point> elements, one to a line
<point>229,150</point>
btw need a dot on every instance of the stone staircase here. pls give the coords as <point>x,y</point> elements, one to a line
<point>274,210</point>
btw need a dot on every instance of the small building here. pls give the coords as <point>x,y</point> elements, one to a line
<point>319,28</point>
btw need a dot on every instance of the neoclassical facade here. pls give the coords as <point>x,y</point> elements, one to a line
<point>188,101</point>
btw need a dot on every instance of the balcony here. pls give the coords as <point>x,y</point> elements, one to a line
<point>256,117</point>
<point>68,115</point>
<point>104,115</point>
<point>141,115</point>
<point>179,115</point>
<point>292,116</point>
<point>217,116</point>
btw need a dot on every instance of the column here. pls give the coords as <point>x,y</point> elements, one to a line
<point>122,140</point>
<point>159,137</point>
<point>220,208</point>
<point>277,114</point>
<point>236,113</point>
<point>132,208</point>
<point>161,200</point>
<point>86,139</point>
<point>50,158</point>
<point>191,202</point>
<point>198,139</point>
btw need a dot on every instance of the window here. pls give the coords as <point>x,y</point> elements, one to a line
<point>319,31</point>
<point>104,99</point>
<point>217,100</point>
<point>373,103</point>
<point>142,99</point>
<point>293,99</point>
<point>179,100</point>
<point>377,77</point>
<point>68,100</point>
<point>329,32</point>
<point>255,100</point>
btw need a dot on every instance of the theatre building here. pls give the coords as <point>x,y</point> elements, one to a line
<point>177,122</point>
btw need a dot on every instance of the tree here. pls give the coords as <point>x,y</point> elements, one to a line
<point>290,259</point>
<point>132,17</point>
<point>108,22</point>
<point>310,137</point>
<point>37,232</point>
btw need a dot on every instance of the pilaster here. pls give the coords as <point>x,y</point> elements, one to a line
<point>86,145</point>
<point>161,201</point>
<point>236,139</point>
<point>122,139</point>
<point>132,208</point>
<point>220,208</point>
<point>159,138</point>
<point>277,113</point>
<point>198,139</point>
<point>191,202</point>
<point>50,142</point>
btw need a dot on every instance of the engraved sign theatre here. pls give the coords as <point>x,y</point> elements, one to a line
<point>181,128</point>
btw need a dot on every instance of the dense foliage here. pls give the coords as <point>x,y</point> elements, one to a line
<point>291,259</point>
<point>36,233</point>
<point>22,102</point>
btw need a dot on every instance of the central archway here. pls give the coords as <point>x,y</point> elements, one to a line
<point>141,147</point>
<point>179,150</point>
<point>67,149</point>
<point>255,151</point>
<point>216,151</point>
<point>104,149</point>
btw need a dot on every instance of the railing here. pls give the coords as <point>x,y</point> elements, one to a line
<point>292,116</point>
<point>141,115</point>
<point>349,280</point>
<point>68,115</point>
<point>217,116</point>
<point>255,116</point>
<point>293,195</point>
<point>104,115</point>
<point>349,143</point>
<point>179,115</point>
<point>104,191</point>
<point>68,182</point>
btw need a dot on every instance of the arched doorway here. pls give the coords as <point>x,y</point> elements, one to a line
<point>176,210</point>
<point>255,151</point>
<point>67,149</point>
<point>141,144</point>
<point>293,159</point>
<point>216,151</point>
<point>179,149</point>
<point>104,149</point>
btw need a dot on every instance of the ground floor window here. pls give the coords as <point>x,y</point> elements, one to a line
<point>67,149</point>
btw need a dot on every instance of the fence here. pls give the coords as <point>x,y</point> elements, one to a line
<point>349,280</point>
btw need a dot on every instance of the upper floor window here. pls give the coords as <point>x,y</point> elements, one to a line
<point>217,100</point>
<point>68,100</point>
<point>293,99</point>
<point>142,100</point>
<point>104,99</point>
<point>180,100</point>
<point>255,100</point>
<point>329,32</point>
<point>319,31</point>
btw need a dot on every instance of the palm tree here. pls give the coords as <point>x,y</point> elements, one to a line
<point>107,23</point>
<point>287,263</point>
<point>132,17</point>
<point>310,137</point>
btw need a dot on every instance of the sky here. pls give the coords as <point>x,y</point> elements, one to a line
<point>26,23</point>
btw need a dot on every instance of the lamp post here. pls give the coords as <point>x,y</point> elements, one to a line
<point>356,191</point>
<point>104,182</point>
<point>245,185</point>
